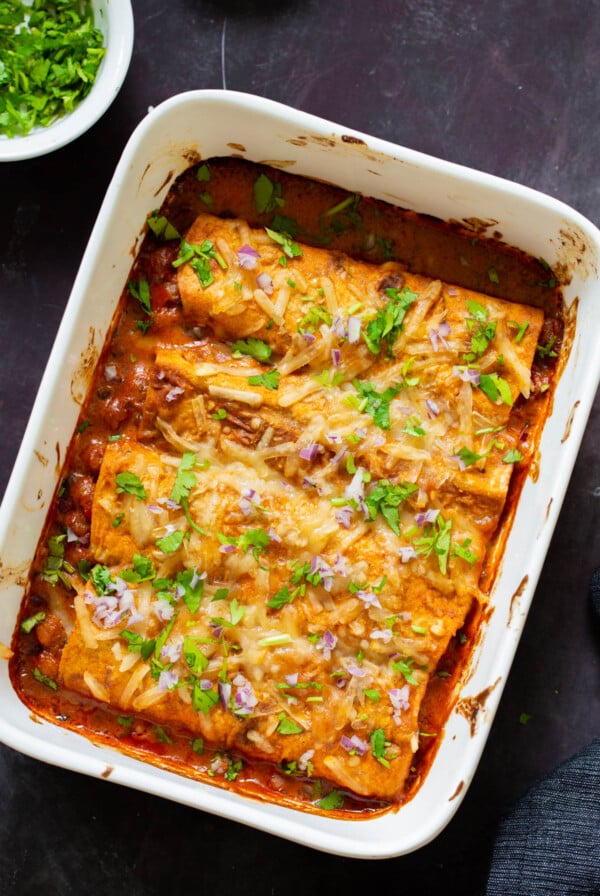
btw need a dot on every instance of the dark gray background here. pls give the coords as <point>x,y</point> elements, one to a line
<point>507,86</point>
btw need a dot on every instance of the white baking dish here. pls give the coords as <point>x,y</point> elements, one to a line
<point>216,123</point>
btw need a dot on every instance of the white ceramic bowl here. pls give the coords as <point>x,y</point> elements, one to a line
<point>115,19</point>
<point>217,123</point>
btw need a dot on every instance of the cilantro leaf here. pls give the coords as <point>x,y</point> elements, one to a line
<point>436,540</point>
<point>161,227</point>
<point>50,59</point>
<point>376,404</point>
<point>203,700</point>
<point>140,290</point>
<point>170,543</point>
<point>193,590</point>
<point>287,726</point>
<point>131,484</point>
<point>267,195</point>
<point>142,571</point>
<point>386,499</point>
<point>270,379</point>
<point>333,800</point>
<point>513,456</point>
<point>290,248</point>
<point>30,623</point>
<point>253,347</point>
<point>388,323</point>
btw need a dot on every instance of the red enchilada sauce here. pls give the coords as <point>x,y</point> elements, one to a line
<point>312,213</point>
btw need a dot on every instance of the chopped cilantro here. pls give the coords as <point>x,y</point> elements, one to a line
<point>131,484</point>
<point>547,351</point>
<point>140,290</point>
<point>269,380</point>
<point>386,499</point>
<point>495,387</point>
<point>161,227</point>
<point>404,667</point>
<point>185,480</point>
<point>142,571</point>
<point>193,586</point>
<point>333,800</point>
<point>256,348</point>
<point>267,195</point>
<point>481,329</point>
<point>50,59</point>
<point>388,323</point>
<point>197,745</point>
<point>30,623</point>
<point>199,258</point>
<point>436,540</point>
<point>203,173</point>
<point>44,679</point>
<point>513,456</point>
<point>170,543</point>
<point>374,403</point>
<point>287,726</point>
<point>56,566</point>
<point>193,655</point>
<point>203,700</point>
<point>413,427</point>
<point>290,248</point>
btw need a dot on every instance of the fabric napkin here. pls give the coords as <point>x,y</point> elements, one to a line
<point>549,845</point>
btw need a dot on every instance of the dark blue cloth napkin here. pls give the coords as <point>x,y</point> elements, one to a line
<point>549,845</point>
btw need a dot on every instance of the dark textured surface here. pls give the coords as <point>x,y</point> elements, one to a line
<point>506,86</point>
<point>550,843</point>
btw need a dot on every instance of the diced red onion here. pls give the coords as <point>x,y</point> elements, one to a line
<point>167,679</point>
<point>356,671</point>
<point>337,457</point>
<point>110,372</point>
<point>154,508</point>
<point>434,339</point>
<point>378,441</point>
<point>368,598</point>
<point>354,744</point>
<point>354,325</point>
<point>461,464</point>
<point>327,643</point>
<point>468,376</point>
<point>168,503</point>
<point>163,609</point>
<point>205,684</point>
<point>340,565</point>
<point>324,570</point>
<point>310,337</point>
<point>333,438</point>
<point>265,283</point>
<point>247,257</point>
<point>336,356</point>
<point>384,634</point>
<point>430,516</point>
<point>292,679</point>
<point>361,432</point>
<point>273,535</point>
<point>338,326</point>
<point>171,652</point>
<point>310,451</point>
<point>344,516</point>
<point>356,489</point>
<point>432,408</point>
<point>400,700</point>
<point>305,759</point>
<point>227,548</point>
<point>174,393</point>
<point>224,693</point>
<point>407,553</point>
<point>245,699</point>
<point>444,329</point>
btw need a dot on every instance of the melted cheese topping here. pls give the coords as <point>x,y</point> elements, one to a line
<point>281,568</point>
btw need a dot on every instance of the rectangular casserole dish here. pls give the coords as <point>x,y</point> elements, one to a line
<point>214,123</point>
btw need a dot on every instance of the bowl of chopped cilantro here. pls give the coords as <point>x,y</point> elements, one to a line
<point>62,64</point>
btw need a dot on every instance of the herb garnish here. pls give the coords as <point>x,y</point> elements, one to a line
<point>199,258</point>
<point>386,499</point>
<point>50,59</point>
<point>267,195</point>
<point>269,380</point>
<point>253,347</point>
<point>131,484</point>
<point>388,323</point>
